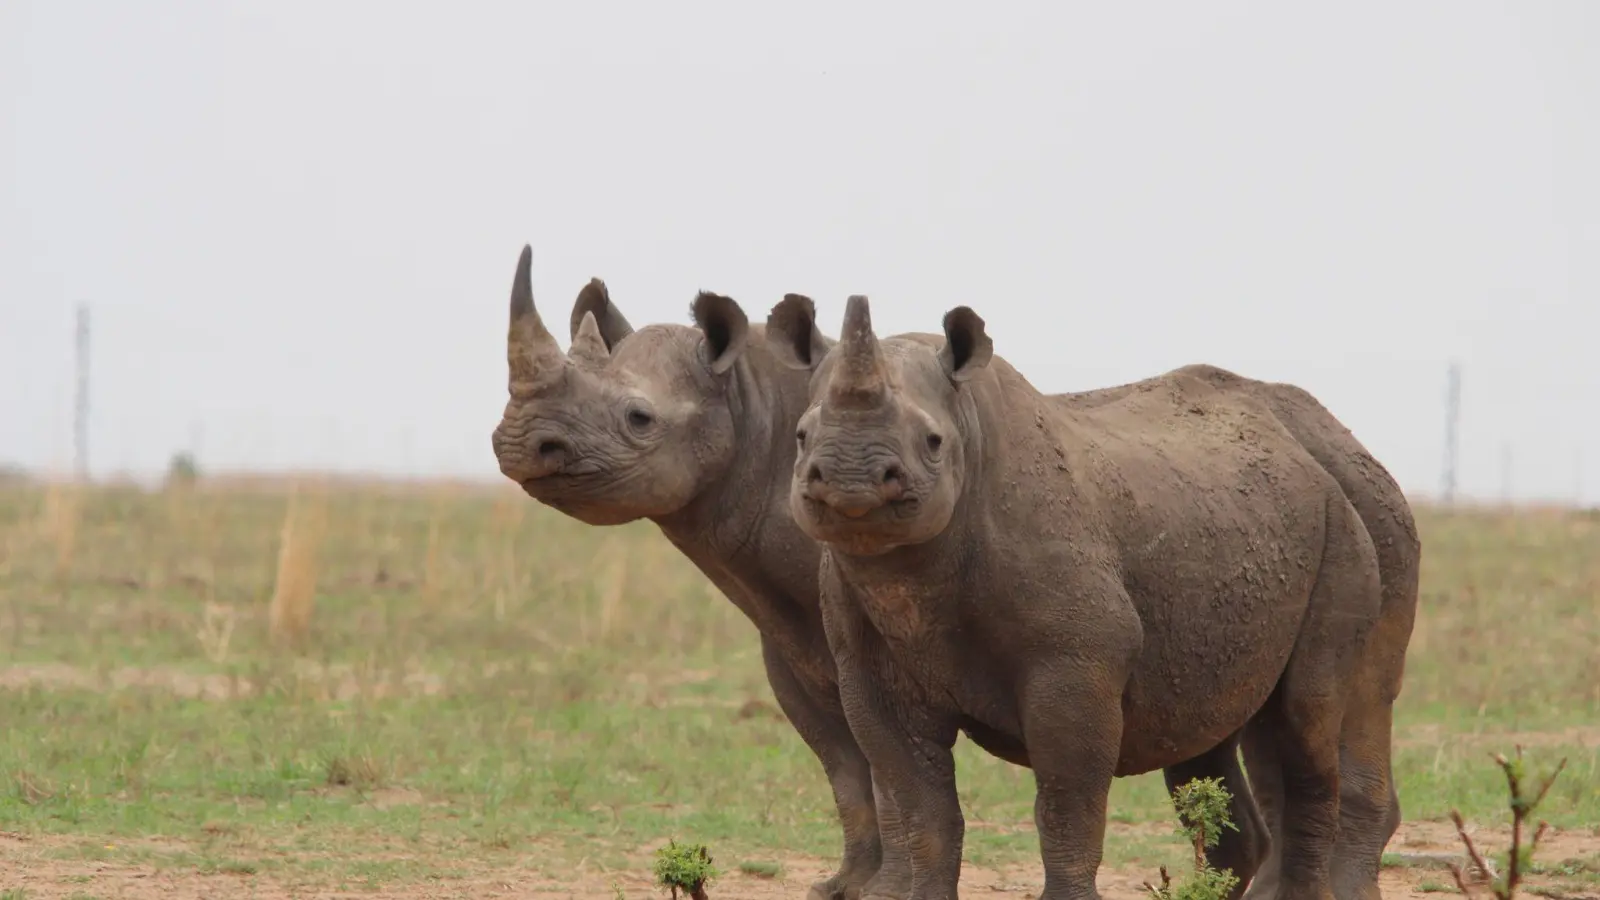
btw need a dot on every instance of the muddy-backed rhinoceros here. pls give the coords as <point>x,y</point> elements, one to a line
<point>1090,590</point>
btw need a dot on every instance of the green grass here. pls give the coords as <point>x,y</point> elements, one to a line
<point>761,869</point>
<point>488,684</point>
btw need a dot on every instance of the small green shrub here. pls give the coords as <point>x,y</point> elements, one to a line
<point>685,868</point>
<point>1202,805</point>
<point>182,469</point>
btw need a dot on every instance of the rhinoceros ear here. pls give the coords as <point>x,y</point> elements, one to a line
<point>792,333</point>
<point>725,328</point>
<point>967,347</point>
<point>594,298</point>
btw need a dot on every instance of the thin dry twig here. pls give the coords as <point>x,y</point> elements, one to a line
<point>1478,862</point>
<point>1166,884</point>
<point>1461,883</point>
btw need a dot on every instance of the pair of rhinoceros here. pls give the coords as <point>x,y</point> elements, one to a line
<point>1091,585</point>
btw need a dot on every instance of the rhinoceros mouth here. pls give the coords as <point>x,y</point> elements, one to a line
<point>572,473</point>
<point>579,482</point>
<point>831,525</point>
<point>589,509</point>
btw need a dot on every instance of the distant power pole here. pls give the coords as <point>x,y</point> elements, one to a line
<point>1452,431</point>
<point>80,406</point>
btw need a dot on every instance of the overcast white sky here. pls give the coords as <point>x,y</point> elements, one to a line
<point>296,222</point>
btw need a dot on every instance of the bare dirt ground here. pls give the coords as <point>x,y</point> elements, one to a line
<point>29,864</point>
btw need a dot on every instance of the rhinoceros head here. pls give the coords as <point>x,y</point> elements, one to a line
<point>880,450</point>
<point>628,424</point>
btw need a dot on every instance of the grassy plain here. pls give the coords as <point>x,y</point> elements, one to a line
<point>445,690</point>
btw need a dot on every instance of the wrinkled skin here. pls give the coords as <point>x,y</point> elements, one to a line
<point>1092,590</point>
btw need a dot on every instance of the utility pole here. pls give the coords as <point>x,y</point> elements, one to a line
<point>1452,431</point>
<point>80,406</point>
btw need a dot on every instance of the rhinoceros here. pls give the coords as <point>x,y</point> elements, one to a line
<point>715,480</point>
<point>1091,590</point>
<point>692,428</point>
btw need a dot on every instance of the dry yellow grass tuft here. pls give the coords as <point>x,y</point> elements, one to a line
<point>294,589</point>
<point>62,514</point>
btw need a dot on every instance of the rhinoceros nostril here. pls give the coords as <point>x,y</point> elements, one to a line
<point>894,484</point>
<point>550,455</point>
<point>814,475</point>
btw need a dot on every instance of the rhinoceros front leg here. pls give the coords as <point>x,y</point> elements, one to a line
<point>894,874</point>
<point>823,727</point>
<point>911,759</point>
<point>1072,723</point>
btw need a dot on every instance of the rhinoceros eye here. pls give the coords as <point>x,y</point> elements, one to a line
<point>800,437</point>
<point>934,443</point>
<point>640,419</point>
